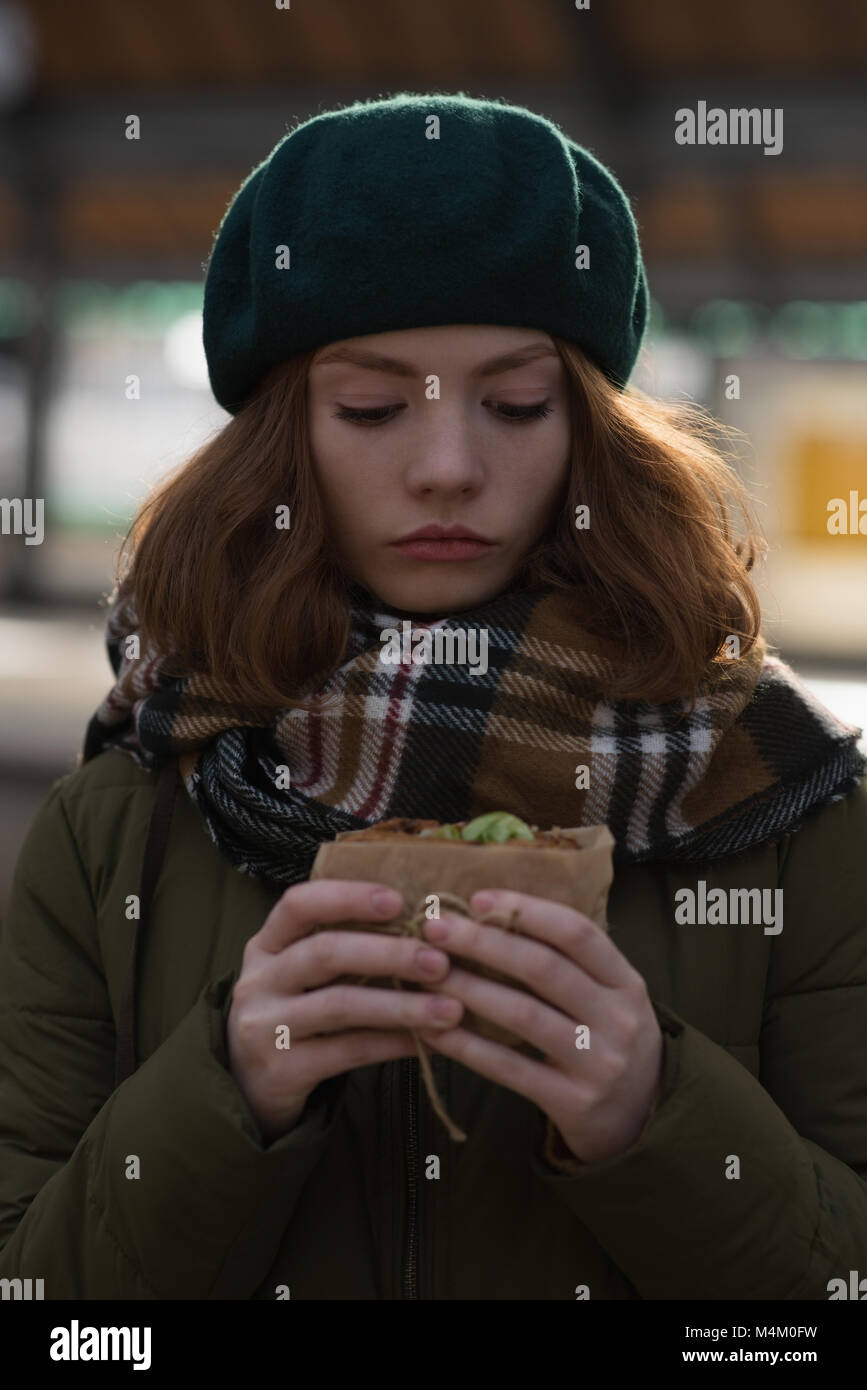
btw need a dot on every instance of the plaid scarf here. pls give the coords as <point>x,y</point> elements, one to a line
<point>445,740</point>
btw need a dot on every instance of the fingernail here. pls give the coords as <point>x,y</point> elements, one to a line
<point>432,961</point>
<point>386,901</point>
<point>480,902</point>
<point>445,1010</point>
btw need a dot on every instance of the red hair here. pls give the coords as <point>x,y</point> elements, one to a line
<point>218,586</point>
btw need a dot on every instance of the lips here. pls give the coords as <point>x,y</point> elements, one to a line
<point>461,548</point>
<point>435,532</point>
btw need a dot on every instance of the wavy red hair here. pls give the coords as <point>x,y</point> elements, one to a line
<point>660,568</point>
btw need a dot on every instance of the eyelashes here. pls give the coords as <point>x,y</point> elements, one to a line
<point>377,415</point>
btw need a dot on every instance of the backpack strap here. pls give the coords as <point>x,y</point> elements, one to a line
<point>154,852</point>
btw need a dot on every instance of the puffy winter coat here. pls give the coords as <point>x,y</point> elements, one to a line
<point>749,1182</point>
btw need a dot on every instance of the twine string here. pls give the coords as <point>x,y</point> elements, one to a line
<point>413,925</point>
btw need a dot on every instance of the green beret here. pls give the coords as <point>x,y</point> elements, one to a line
<point>418,210</point>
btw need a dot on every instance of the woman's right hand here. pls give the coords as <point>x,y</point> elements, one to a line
<point>286,979</point>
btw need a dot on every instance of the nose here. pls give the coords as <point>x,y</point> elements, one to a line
<point>445,457</point>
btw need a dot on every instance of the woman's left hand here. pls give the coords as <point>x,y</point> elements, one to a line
<point>600,1091</point>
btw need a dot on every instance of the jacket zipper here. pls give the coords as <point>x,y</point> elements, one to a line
<point>410,1267</point>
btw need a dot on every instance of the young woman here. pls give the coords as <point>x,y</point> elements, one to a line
<point>402,322</point>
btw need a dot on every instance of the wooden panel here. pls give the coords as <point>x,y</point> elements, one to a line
<point>770,36</point>
<point>232,42</point>
<point>155,216</point>
<point>794,216</point>
<point>812,214</point>
<point>685,218</point>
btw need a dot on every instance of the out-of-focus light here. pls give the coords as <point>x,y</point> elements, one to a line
<point>853,330</point>
<point>674,366</point>
<point>804,328</point>
<point>184,352</point>
<point>81,302</point>
<point>657,319</point>
<point>17,307</point>
<point>800,329</point>
<point>727,326</point>
<point>154,303</point>
<point>143,305</point>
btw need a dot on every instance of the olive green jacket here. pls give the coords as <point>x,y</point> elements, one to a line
<point>749,1182</point>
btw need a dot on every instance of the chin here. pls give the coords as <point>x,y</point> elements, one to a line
<point>435,598</point>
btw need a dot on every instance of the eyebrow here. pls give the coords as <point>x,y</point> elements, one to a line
<point>378,362</point>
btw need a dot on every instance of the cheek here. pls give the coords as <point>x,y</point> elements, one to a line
<point>352,487</point>
<point>539,477</point>
<point>332,464</point>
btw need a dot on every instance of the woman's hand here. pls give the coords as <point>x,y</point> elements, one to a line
<point>599,1097</point>
<point>286,981</point>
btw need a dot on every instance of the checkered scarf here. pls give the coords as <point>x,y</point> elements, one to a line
<point>447,741</point>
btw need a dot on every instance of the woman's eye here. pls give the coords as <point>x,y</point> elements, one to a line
<point>523,412</point>
<point>377,415</point>
<point>373,416</point>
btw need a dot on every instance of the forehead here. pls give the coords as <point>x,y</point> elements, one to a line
<point>481,349</point>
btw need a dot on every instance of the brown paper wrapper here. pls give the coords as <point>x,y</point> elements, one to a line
<point>452,870</point>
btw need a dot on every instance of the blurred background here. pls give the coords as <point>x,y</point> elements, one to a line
<point>757,264</point>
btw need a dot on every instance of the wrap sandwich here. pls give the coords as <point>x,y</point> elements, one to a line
<point>437,867</point>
